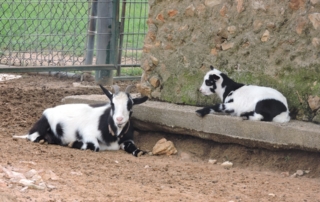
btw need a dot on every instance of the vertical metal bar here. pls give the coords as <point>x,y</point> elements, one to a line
<point>91,32</point>
<point>115,33</point>
<point>104,23</point>
<point>123,16</point>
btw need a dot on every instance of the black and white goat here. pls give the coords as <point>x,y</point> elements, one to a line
<point>94,127</point>
<point>247,101</point>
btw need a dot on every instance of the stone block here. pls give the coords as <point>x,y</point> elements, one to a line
<point>190,11</point>
<point>154,81</point>
<point>265,37</point>
<point>315,19</point>
<point>212,3</point>
<point>172,13</point>
<point>314,102</point>
<point>226,46</point>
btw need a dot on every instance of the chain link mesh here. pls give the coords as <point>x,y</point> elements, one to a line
<point>54,32</point>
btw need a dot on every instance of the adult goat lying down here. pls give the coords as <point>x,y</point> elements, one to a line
<point>247,101</point>
<point>94,127</point>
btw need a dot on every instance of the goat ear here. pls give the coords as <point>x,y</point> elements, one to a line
<point>140,100</point>
<point>108,94</point>
<point>211,67</point>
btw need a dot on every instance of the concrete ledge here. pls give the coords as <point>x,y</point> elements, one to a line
<point>181,119</point>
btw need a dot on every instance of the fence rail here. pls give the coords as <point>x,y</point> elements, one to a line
<point>60,35</point>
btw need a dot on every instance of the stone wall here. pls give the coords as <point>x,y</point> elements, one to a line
<point>273,43</point>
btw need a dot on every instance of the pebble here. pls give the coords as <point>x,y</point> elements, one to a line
<point>212,161</point>
<point>300,172</point>
<point>227,164</point>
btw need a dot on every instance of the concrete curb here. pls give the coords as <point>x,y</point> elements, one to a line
<point>181,119</point>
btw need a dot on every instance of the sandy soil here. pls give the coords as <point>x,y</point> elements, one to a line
<point>73,175</point>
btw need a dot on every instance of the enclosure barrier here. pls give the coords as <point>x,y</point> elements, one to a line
<point>76,35</point>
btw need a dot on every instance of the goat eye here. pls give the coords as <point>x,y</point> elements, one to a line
<point>209,83</point>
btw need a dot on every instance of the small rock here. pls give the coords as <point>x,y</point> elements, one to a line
<point>24,189</point>
<point>30,173</point>
<point>227,164</point>
<point>164,147</point>
<point>299,172</point>
<point>75,173</point>
<point>28,162</point>
<point>116,161</point>
<point>41,141</point>
<point>293,175</point>
<point>30,184</point>
<point>146,166</point>
<point>285,174</point>
<point>272,195</point>
<point>265,37</point>
<point>314,102</point>
<point>212,161</point>
<point>50,187</point>
<point>307,171</point>
<point>53,176</point>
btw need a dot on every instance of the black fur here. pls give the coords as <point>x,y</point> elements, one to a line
<point>59,130</point>
<point>230,86</point>
<point>270,108</point>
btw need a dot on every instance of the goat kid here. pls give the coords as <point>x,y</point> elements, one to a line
<point>247,101</point>
<point>95,127</point>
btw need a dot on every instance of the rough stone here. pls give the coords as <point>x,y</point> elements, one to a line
<point>201,9</point>
<point>316,42</point>
<point>296,4</point>
<point>154,81</point>
<point>240,7</point>
<point>265,37</point>
<point>147,47</point>
<point>315,2</point>
<point>259,5</point>
<point>160,17</point>
<point>214,51</point>
<point>146,66</point>
<point>223,10</point>
<point>172,13</point>
<point>301,25</point>
<point>164,147</point>
<point>190,11</point>
<point>314,102</point>
<point>315,19</point>
<point>226,46</point>
<point>154,60</point>
<point>316,118</point>
<point>212,3</point>
<point>232,29</point>
<point>144,89</point>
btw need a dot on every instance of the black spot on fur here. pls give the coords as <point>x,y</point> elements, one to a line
<point>77,144</point>
<point>231,100</point>
<point>91,146</point>
<point>247,114</point>
<point>78,136</point>
<point>229,111</point>
<point>230,85</point>
<point>59,130</point>
<point>103,126</point>
<point>41,126</point>
<point>270,108</point>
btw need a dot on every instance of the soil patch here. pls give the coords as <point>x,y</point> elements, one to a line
<point>75,175</point>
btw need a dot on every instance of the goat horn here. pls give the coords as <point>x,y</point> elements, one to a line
<point>116,89</point>
<point>128,89</point>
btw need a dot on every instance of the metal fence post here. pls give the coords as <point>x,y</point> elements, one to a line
<point>91,32</point>
<point>104,25</point>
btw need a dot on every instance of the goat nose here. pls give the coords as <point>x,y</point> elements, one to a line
<point>119,118</point>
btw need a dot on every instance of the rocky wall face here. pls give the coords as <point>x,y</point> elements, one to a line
<point>273,43</point>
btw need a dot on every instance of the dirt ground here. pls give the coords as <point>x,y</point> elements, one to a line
<point>67,174</point>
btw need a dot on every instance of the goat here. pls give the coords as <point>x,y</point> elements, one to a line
<point>248,101</point>
<point>95,127</point>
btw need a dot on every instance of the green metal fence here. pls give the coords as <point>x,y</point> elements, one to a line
<point>71,35</point>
